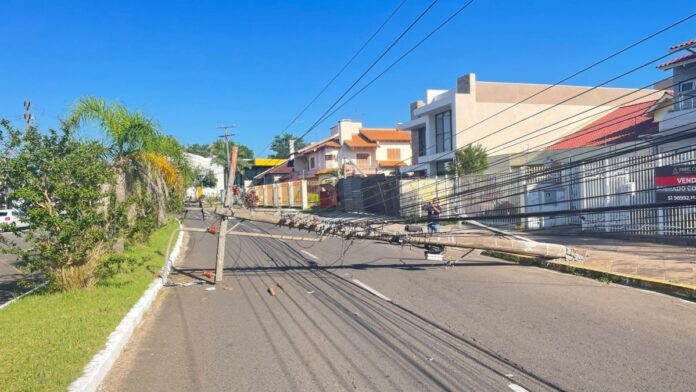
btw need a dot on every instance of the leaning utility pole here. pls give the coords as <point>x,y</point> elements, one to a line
<point>226,136</point>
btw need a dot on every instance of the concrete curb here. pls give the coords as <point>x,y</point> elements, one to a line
<point>681,290</point>
<point>97,368</point>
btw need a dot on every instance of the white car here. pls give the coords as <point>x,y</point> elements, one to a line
<point>12,217</point>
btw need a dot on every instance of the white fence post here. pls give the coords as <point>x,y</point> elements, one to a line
<point>305,196</point>
<point>291,202</point>
<point>276,195</point>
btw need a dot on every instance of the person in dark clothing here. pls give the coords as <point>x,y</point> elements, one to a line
<point>434,210</point>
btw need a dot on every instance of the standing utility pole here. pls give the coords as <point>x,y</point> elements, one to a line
<point>230,172</point>
<point>27,114</point>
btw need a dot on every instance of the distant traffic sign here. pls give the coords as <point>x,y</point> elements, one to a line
<point>675,183</point>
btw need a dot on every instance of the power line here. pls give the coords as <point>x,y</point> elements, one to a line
<point>326,115</point>
<point>575,74</point>
<point>343,68</point>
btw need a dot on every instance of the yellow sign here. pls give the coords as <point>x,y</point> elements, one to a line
<point>267,162</point>
<point>199,192</point>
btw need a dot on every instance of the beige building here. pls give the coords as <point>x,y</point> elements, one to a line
<point>506,118</point>
<point>352,149</point>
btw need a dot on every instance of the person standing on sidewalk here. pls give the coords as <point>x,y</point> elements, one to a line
<point>434,210</point>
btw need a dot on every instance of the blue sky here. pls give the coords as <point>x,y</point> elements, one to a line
<point>194,65</point>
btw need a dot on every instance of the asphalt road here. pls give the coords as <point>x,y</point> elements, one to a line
<point>10,275</point>
<point>369,316</point>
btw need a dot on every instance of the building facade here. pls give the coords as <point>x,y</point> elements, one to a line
<point>679,123</point>
<point>352,149</point>
<point>506,118</point>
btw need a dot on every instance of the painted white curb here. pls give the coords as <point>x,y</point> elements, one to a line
<point>97,369</point>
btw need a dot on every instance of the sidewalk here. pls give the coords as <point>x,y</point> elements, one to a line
<point>670,263</point>
<point>642,263</point>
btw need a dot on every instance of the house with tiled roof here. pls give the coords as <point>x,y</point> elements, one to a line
<point>682,117</point>
<point>352,149</point>
<point>628,123</point>
<point>278,173</point>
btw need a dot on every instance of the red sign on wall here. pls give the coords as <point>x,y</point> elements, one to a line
<point>675,183</point>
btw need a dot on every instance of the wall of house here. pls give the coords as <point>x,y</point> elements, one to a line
<point>204,164</point>
<point>349,153</point>
<point>319,159</point>
<point>346,129</point>
<point>505,138</point>
<point>473,102</point>
<point>680,119</point>
<point>403,147</point>
<point>684,73</point>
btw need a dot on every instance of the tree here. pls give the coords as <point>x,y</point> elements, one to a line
<point>281,145</point>
<point>59,184</point>
<point>146,163</point>
<point>219,154</point>
<point>199,149</point>
<point>469,160</point>
<point>208,179</point>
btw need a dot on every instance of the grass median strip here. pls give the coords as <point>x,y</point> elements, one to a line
<point>47,338</point>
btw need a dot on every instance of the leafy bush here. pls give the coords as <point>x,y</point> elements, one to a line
<point>62,186</point>
<point>472,159</point>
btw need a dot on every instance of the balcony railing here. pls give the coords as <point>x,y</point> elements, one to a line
<point>685,102</point>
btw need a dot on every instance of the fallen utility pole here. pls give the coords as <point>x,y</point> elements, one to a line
<point>502,244</point>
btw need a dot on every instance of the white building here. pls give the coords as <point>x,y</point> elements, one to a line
<point>506,118</point>
<point>204,165</point>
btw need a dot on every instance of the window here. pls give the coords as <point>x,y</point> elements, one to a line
<point>311,163</point>
<point>687,96</point>
<point>394,154</point>
<point>421,141</point>
<point>329,157</point>
<point>441,167</point>
<point>363,160</point>
<point>443,131</point>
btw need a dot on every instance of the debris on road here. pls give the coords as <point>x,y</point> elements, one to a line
<point>271,291</point>
<point>184,284</point>
<point>208,274</point>
<point>210,289</point>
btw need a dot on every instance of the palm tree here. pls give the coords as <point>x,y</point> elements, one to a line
<point>137,150</point>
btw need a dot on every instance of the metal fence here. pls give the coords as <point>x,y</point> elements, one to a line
<point>628,181</point>
<point>477,196</point>
<point>549,194</point>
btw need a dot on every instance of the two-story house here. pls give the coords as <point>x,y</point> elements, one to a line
<point>678,126</point>
<point>352,149</point>
<point>506,118</point>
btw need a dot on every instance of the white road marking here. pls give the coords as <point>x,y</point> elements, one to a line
<point>309,254</point>
<point>235,226</point>
<point>516,388</point>
<point>371,290</point>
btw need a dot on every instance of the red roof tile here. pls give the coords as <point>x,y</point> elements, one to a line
<point>622,125</point>
<point>391,163</point>
<point>280,169</point>
<point>325,143</point>
<point>386,135</point>
<point>683,45</point>
<point>359,141</point>
<point>675,62</point>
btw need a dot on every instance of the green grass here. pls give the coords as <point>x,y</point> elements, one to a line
<point>47,338</point>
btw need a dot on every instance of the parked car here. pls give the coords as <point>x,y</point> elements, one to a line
<point>12,217</point>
